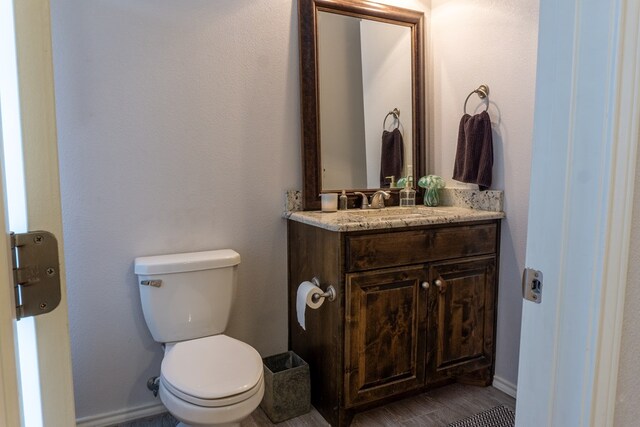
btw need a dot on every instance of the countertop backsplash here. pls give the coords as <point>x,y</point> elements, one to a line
<point>489,200</point>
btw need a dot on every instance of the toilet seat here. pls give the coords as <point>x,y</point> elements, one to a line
<point>191,414</point>
<point>212,403</point>
<point>212,371</point>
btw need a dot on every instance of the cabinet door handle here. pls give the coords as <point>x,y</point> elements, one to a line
<point>425,285</point>
<point>439,283</point>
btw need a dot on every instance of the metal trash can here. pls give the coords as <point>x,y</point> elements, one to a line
<point>287,391</point>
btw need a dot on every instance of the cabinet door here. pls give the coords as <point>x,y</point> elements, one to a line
<point>461,320</point>
<point>385,333</point>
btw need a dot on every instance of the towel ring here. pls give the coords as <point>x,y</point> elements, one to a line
<point>396,114</point>
<point>483,92</point>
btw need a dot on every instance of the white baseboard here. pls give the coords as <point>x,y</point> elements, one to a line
<point>121,415</point>
<point>505,386</point>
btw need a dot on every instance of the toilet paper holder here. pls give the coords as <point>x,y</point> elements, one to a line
<point>330,293</point>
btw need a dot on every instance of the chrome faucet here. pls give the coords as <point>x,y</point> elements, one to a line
<point>365,200</point>
<point>378,198</point>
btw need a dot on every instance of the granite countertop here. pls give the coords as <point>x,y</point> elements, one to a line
<point>390,217</point>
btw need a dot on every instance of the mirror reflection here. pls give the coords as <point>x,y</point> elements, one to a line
<point>364,73</point>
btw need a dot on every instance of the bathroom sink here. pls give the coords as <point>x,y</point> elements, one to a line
<point>395,210</point>
<point>393,213</point>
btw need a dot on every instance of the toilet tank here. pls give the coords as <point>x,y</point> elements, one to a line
<point>189,295</point>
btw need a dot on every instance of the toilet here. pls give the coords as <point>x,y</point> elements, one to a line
<point>206,377</point>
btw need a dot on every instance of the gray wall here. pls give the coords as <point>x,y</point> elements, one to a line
<point>178,127</point>
<point>478,42</point>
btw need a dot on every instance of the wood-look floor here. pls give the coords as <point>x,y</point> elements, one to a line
<point>435,408</point>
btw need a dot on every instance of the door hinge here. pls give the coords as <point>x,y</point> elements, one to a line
<point>36,273</point>
<point>532,285</point>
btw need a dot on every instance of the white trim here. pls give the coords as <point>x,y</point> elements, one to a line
<point>9,403</point>
<point>39,139</point>
<point>121,416</point>
<point>625,130</point>
<point>504,386</point>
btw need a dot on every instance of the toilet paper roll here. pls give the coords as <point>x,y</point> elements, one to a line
<point>306,290</point>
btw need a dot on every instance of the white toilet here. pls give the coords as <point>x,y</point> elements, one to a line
<point>206,378</point>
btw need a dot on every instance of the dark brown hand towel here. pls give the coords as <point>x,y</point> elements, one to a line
<point>392,156</point>
<point>474,155</point>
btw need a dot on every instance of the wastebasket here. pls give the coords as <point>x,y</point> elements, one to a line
<point>287,392</point>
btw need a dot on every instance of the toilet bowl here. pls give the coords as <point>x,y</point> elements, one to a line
<point>206,378</point>
<point>211,381</point>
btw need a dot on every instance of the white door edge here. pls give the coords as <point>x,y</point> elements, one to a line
<point>39,138</point>
<point>626,121</point>
<point>9,392</point>
<point>588,102</point>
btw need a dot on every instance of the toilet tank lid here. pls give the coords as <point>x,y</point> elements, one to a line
<point>180,263</point>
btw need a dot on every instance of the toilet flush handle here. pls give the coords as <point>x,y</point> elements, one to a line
<point>154,283</point>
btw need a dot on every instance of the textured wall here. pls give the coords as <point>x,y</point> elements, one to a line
<point>493,42</point>
<point>178,127</point>
<point>627,408</point>
<point>179,130</point>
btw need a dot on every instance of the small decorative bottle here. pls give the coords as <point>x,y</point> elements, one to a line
<point>407,194</point>
<point>342,201</point>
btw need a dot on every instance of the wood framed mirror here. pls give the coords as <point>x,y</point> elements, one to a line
<point>360,61</point>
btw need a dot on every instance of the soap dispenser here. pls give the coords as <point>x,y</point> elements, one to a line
<point>343,201</point>
<point>407,194</point>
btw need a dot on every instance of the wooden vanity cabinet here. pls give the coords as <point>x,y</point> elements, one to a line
<point>461,321</point>
<point>415,310</point>
<point>385,325</point>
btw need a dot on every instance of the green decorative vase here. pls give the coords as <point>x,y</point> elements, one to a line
<point>432,185</point>
<point>432,196</point>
